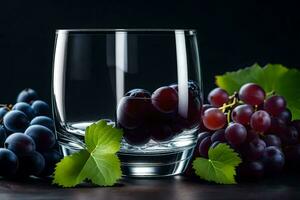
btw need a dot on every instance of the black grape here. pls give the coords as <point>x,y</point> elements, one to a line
<point>43,137</point>
<point>31,164</point>
<point>25,108</point>
<point>19,143</point>
<point>40,108</point>
<point>15,121</point>
<point>43,121</point>
<point>8,163</point>
<point>27,95</point>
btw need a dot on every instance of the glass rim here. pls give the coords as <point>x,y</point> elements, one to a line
<point>110,30</point>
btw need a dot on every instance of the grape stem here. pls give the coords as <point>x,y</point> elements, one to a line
<point>225,106</point>
<point>9,106</point>
<point>270,93</point>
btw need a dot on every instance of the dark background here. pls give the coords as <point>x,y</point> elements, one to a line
<point>231,34</point>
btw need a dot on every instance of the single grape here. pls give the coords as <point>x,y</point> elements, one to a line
<point>8,163</point>
<point>204,147</point>
<point>252,94</point>
<point>252,170</point>
<point>242,114</point>
<point>278,127</point>
<point>274,105</point>
<point>255,149</point>
<point>165,99</point>
<point>273,160</point>
<point>217,97</point>
<point>192,117</point>
<point>131,112</point>
<point>43,121</point>
<point>25,108</point>
<point>235,133</point>
<point>51,158</point>
<point>3,136</point>
<point>3,111</point>
<point>15,121</point>
<point>290,137</point>
<point>137,137</point>
<point>43,137</point>
<point>40,108</point>
<point>161,133</point>
<point>31,164</point>
<point>19,143</point>
<point>272,140</point>
<point>214,119</point>
<point>219,135</point>
<point>260,121</point>
<point>285,115</point>
<point>203,135</point>
<point>27,95</point>
<point>140,93</point>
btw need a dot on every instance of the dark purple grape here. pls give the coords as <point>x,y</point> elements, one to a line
<point>285,115</point>
<point>273,160</point>
<point>131,112</point>
<point>27,95</point>
<point>219,135</point>
<point>165,99</point>
<point>3,136</point>
<point>272,140</point>
<point>203,135</point>
<point>217,97</point>
<point>214,119</point>
<point>138,136</point>
<point>40,108</point>
<point>192,117</point>
<point>139,93</point>
<point>43,137</point>
<point>290,137</point>
<point>255,149</point>
<point>19,143</point>
<point>51,158</point>
<point>252,170</point>
<point>252,94</point>
<point>3,111</point>
<point>260,121</point>
<point>15,121</point>
<point>235,133</point>
<point>204,147</point>
<point>277,127</point>
<point>8,163</point>
<point>31,164</point>
<point>161,133</point>
<point>43,121</point>
<point>242,114</point>
<point>215,144</point>
<point>25,108</point>
<point>274,105</point>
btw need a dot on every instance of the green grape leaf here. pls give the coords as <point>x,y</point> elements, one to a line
<point>220,165</point>
<point>97,163</point>
<point>272,77</point>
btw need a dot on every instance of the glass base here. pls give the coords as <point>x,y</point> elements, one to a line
<point>149,165</point>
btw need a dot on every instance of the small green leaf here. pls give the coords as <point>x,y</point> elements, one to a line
<point>272,77</point>
<point>97,163</point>
<point>220,165</point>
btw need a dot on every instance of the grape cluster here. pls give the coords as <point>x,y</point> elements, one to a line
<point>144,116</point>
<point>257,125</point>
<point>27,141</point>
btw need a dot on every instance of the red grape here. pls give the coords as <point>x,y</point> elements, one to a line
<point>214,119</point>
<point>235,133</point>
<point>165,99</point>
<point>274,105</point>
<point>217,97</point>
<point>252,94</point>
<point>260,121</point>
<point>137,136</point>
<point>242,114</point>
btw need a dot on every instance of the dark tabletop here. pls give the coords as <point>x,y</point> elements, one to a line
<point>284,187</point>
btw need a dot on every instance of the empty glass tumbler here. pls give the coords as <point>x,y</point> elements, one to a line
<point>146,82</point>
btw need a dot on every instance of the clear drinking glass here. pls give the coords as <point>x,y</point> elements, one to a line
<point>100,74</point>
